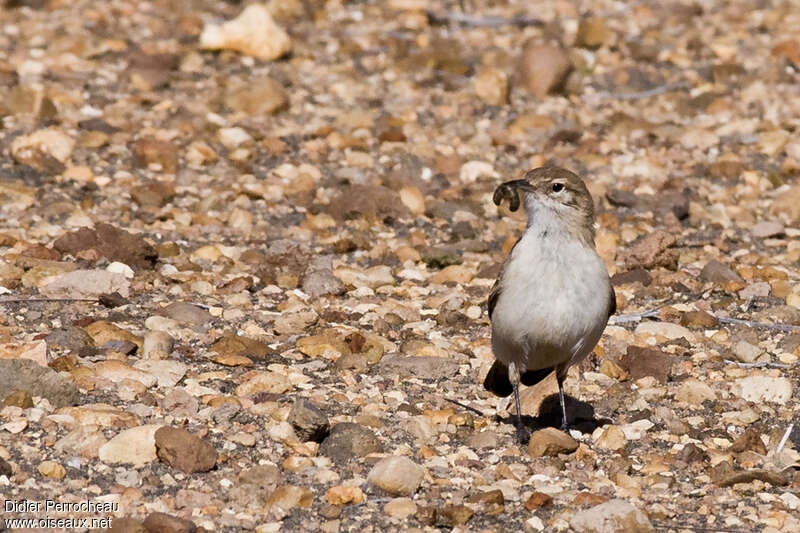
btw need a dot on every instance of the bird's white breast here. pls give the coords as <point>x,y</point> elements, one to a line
<point>554,299</point>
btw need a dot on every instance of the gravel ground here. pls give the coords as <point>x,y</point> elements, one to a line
<point>245,251</point>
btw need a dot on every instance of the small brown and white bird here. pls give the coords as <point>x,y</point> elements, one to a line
<point>553,297</point>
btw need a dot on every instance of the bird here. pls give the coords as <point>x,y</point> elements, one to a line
<point>553,296</point>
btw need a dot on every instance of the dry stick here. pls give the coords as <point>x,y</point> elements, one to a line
<point>465,406</point>
<point>768,325</point>
<point>785,437</point>
<point>679,525</point>
<point>482,22</point>
<point>757,365</point>
<point>636,317</point>
<point>655,91</point>
<point>26,300</point>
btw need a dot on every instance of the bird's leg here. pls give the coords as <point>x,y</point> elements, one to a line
<point>560,380</point>
<point>513,377</point>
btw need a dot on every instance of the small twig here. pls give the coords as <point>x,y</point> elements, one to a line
<point>768,325</point>
<point>26,300</point>
<point>655,91</point>
<point>757,365</point>
<point>467,407</point>
<point>636,317</point>
<point>680,525</point>
<point>785,437</point>
<point>481,22</point>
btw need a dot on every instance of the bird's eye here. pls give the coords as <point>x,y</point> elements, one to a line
<point>558,187</point>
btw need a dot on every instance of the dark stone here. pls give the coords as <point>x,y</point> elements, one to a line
<point>716,272</point>
<point>112,243</point>
<point>164,523</point>
<point>37,380</point>
<point>186,313</point>
<point>348,441</point>
<point>183,451</point>
<point>749,440</point>
<point>639,275</point>
<point>372,202</point>
<point>112,300</point>
<point>640,362</point>
<point>308,421</point>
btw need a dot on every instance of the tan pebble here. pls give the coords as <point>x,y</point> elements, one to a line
<point>413,199</point>
<point>52,470</point>
<point>400,508</point>
<point>341,495</point>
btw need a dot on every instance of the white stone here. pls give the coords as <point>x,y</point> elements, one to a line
<point>120,268</point>
<point>253,33</point>
<point>136,446</point>
<point>611,517</point>
<point>397,475</point>
<point>472,170</point>
<point>763,389</point>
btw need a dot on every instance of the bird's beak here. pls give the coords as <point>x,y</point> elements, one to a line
<point>522,185</point>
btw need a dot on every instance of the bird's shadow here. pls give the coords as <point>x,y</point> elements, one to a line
<point>581,415</point>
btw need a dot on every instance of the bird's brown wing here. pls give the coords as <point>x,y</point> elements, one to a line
<point>494,294</point>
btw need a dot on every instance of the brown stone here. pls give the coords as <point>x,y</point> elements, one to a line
<point>550,442</point>
<point>651,251</point>
<point>640,362</point>
<point>183,451</point>
<point>699,319</point>
<point>150,151</point>
<point>749,440</point>
<point>543,68</point>
<point>110,242</point>
<point>538,499</point>
<point>164,523</point>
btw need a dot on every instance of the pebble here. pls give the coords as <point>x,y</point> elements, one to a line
<point>310,424</point>
<point>550,442</point>
<point>640,362</point>
<point>746,352</point>
<point>717,272</point>
<point>48,150</point>
<point>259,381</point>
<point>422,367</point>
<point>261,95</point>
<point>610,438</point>
<point>372,277</point>
<point>253,33</point>
<point>344,494</point>
<point>136,446</point>
<point>611,517</point>
<point>760,389</point>
<point>184,451</point>
<point>117,371</point>
<point>52,470</point>
<point>348,441</point>
<point>491,86</point>
<point>400,508</point>
<point>694,392</point>
<point>100,414</point>
<point>165,523</point>
<point>288,497</point>
<point>157,345</point>
<point>397,475</point>
<point>87,284</point>
<point>765,229</point>
<point>186,313</point>
<point>37,380</point>
<point>167,373</point>
<point>110,242</point>
<point>543,68</point>
<point>666,330</point>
